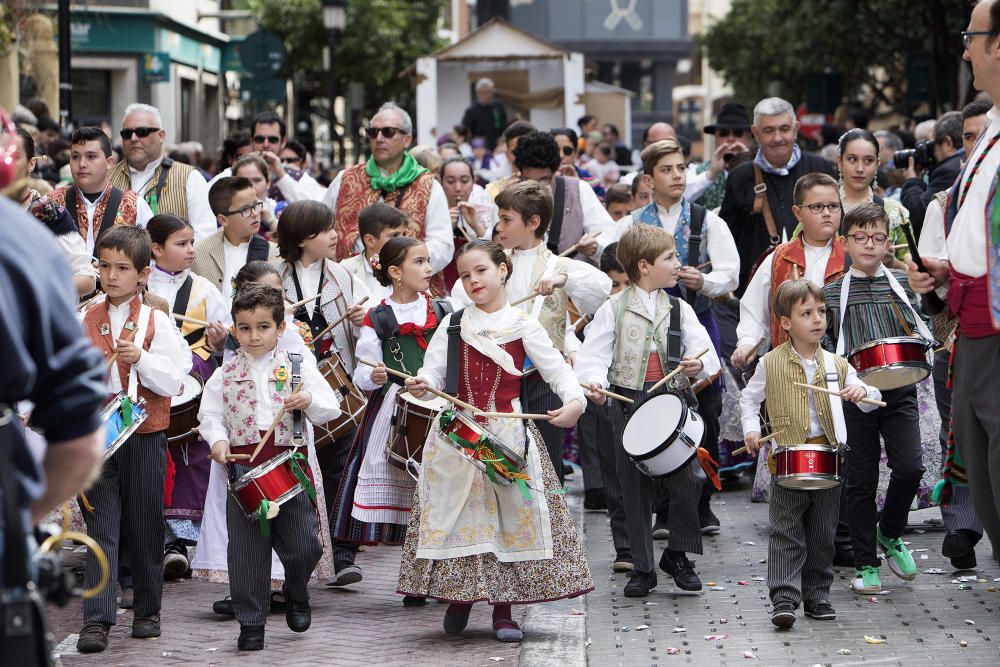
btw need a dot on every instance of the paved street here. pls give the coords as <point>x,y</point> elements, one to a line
<point>920,622</point>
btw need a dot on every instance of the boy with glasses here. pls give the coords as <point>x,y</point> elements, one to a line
<point>220,256</point>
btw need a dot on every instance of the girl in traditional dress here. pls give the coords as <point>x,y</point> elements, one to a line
<point>373,503</point>
<point>471,539</point>
<point>194,297</point>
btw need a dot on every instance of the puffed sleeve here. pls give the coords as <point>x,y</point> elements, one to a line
<point>369,348</point>
<point>588,286</point>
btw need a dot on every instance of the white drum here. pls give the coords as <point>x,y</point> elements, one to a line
<point>663,435</point>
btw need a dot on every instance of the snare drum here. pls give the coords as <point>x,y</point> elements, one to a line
<point>806,467</point>
<point>411,424</point>
<point>663,435</point>
<point>272,481</point>
<point>184,412</point>
<point>116,431</point>
<point>467,430</point>
<point>892,363</point>
<point>352,404</point>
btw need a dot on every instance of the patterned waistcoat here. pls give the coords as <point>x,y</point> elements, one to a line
<point>336,297</point>
<point>554,306</point>
<point>788,405</point>
<point>790,260</point>
<point>126,214</point>
<point>239,401</point>
<point>170,198</point>
<point>634,331</point>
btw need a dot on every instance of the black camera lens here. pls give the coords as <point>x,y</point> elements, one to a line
<point>901,159</point>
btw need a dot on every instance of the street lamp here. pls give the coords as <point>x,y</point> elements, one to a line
<point>334,20</point>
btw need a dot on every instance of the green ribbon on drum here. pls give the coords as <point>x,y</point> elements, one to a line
<point>301,475</point>
<point>267,509</point>
<point>484,442</point>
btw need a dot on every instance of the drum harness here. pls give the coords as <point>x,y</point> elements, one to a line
<point>387,329</point>
<point>180,308</point>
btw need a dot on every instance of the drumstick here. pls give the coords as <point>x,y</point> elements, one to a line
<point>190,320</point>
<point>440,394</point>
<point>86,304</point>
<point>743,449</point>
<point>609,394</point>
<point>274,425</point>
<point>583,318</point>
<point>232,457</point>
<point>900,246</point>
<point>753,350</point>
<point>572,249</point>
<point>666,378</point>
<point>703,266</point>
<point>531,295</point>
<point>514,415</point>
<point>869,401</point>
<point>339,320</point>
<point>294,306</point>
<point>114,357</point>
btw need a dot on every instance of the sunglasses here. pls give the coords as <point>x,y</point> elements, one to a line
<point>723,133</point>
<point>291,160</point>
<point>567,150</point>
<point>268,138</point>
<point>141,132</point>
<point>387,132</point>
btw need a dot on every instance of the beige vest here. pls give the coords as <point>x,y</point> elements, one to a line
<point>552,316</point>
<point>239,400</point>
<point>788,405</point>
<point>172,198</point>
<point>634,331</point>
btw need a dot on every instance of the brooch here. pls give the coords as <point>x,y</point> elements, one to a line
<point>280,376</point>
<point>105,329</point>
<point>130,325</point>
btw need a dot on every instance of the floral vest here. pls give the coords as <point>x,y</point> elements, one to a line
<point>356,193</point>
<point>98,327</point>
<point>788,405</point>
<point>126,214</point>
<point>166,191</point>
<point>634,332</point>
<point>790,262</point>
<point>239,401</point>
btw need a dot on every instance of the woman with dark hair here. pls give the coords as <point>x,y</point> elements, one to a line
<point>235,145</point>
<point>472,210</point>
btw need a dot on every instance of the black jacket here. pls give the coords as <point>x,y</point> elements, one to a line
<point>749,230</point>
<point>916,194</point>
<point>485,121</point>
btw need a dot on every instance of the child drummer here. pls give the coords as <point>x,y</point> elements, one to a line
<point>150,362</point>
<point>636,337</point>
<point>803,522</point>
<point>240,401</point>
<point>871,303</point>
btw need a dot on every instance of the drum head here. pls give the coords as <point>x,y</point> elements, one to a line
<point>652,423</point>
<point>433,404</point>
<point>896,376</point>
<point>190,389</point>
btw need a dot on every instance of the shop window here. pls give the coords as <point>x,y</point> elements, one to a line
<point>91,96</point>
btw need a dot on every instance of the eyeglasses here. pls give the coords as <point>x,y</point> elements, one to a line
<point>387,132</point>
<point>723,133</point>
<point>567,150</point>
<point>291,160</point>
<point>266,138</point>
<point>141,132</point>
<point>862,239</point>
<point>819,208</point>
<point>967,35</point>
<point>247,210</point>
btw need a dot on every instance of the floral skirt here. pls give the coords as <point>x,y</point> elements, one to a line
<point>484,578</point>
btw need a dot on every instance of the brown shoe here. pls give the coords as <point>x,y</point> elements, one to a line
<point>93,637</point>
<point>146,627</point>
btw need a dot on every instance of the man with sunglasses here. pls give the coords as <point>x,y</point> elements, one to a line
<point>732,137</point>
<point>393,177</point>
<point>167,186</point>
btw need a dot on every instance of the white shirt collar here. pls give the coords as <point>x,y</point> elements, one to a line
<point>530,252</point>
<point>258,363</point>
<point>227,244</point>
<point>668,212</point>
<point>419,302</point>
<point>858,273</point>
<point>162,277</point>
<point>816,248</point>
<point>149,167</point>
<point>121,308</point>
<point>314,268</point>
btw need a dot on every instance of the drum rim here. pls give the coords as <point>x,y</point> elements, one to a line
<point>129,430</point>
<point>891,340</point>
<point>643,468</point>
<point>806,447</point>
<point>519,461</point>
<point>280,500</point>
<point>265,467</point>
<point>897,365</point>
<point>664,444</point>
<point>809,477</point>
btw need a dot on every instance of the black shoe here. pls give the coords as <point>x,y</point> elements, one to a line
<point>298,614</point>
<point>251,638</point>
<point>593,500</point>
<point>146,627</point>
<point>279,602</point>
<point>821,611</point>
<point>706,517</point>
<point>783,614</point>
<point>677,565</point>
<point>414,601</point>
<point>844,557</point>
<point>960,549</point>
<point>175,561</point>
<point>224,607</point>
<point>93,637</point>
<point>346,574</point>
<point>640,584</point>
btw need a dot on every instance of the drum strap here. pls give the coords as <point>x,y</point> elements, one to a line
<point>674,335</point>
<point>698,214</point>
<point>454,352</point>
<point>836,405</point>
<point>387,329</point>
<point>296,360</point>
<point>181,302</point>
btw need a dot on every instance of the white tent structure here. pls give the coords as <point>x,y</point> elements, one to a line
<point>542,81</point>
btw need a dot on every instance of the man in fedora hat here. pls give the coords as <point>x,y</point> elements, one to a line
<point>732,135</point>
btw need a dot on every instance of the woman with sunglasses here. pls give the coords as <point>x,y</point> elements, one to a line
<point>571,166</point>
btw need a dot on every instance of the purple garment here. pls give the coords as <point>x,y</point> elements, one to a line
<point>191,464</point>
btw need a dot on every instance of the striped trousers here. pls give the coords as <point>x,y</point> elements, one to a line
<point>332,462</point>
<point>128,519</point>
<point>595,427</point>
<point>537,397</point>
<point>800,549</point>
<point>641,494</point>
<point>294,536</point>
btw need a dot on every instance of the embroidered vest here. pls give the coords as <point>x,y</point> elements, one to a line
<point>788,405</point>
<point>239,401</point>
<point>789,261</point>
<point>165,193</point>
<point>336,296</point>
<point>356,193</point>
<point>634,332</point>
<point>554,306</point>
<point>126,214</point>
<point>96,319</point>
<point>650,215</point>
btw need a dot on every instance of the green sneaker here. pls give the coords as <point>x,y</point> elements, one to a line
<point>898,556</point>
<point>866,580</point>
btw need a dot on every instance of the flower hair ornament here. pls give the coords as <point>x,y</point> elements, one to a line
<point>376,264</point>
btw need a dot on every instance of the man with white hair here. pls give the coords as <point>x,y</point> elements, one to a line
<point>758,200</point>
<point>485,117</point>
<point>167,186</point>
<point>392,176</point>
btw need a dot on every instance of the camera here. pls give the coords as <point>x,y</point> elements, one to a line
<point>54,582</point>
<point>922,154</point>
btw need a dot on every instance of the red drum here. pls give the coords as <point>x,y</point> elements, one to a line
<point>480,447</point>
<point>272,480</point>
<point>806,467</point>
<point>892,363</point>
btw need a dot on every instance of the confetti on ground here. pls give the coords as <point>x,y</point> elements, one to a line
<point>844,651</point>
<point>679,629</point>
<point>992,589</point>
<point>748,654</point>
<point>209,650</point>
<point>963,643</point>
<point>496,658</point>
<point>711,583</point>
<point>873,599</point>
<point>717,588</point>
<point>873,640</point>
<point>964,587</point>
<point>917,551</point>
<point>167,654</point>
<point>650,604</point>
<point>673,650</point>
<point>717,638</point>
<point>723,620</point>
<point>933,570</point>
<point>626,628</point>
<point>577,612</point>
<point>996,578</point>
<point>969,621</point>
<point>750,544</point>
<point>743,583</point>
<point>923,557</point>
<point>969,577</point>
<point>642,627</point>
<point>757,579</point>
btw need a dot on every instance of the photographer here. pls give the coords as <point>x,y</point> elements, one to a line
<point>44,358</point>
<point>941,160</point>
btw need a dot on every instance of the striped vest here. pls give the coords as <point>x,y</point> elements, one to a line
<point>170,196</point>
<point>788,405</point>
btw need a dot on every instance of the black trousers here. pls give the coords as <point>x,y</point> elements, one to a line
<point>538,398</point>
<point>595,426</point>
<point>897,424</point>
<point>332,461</point>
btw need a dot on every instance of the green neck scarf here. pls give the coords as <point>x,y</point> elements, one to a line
<point>408,172</point>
